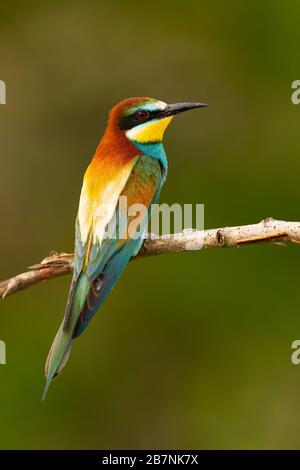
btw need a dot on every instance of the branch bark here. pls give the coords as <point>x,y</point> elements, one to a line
<point>269,231</point>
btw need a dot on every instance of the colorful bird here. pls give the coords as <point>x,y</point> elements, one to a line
<point>130,161</point>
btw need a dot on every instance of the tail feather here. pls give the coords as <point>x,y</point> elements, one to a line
<point>61,346</point>
<point>57,357</point>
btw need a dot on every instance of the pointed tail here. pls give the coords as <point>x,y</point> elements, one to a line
<point>62,344</point>
<point>57,357</point>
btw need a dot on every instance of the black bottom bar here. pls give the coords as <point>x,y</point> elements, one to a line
<point>136,458</point>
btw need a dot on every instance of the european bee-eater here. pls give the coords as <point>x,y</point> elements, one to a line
<point>129,161</point>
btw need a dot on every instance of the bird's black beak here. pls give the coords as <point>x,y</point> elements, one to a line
<point>176,108</point>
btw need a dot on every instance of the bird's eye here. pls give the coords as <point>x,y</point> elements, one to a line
<point>142,115</point>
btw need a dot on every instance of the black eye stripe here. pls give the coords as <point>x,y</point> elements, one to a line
<point>132,120</point>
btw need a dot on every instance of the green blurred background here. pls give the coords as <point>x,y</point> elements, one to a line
<point>191,350</point>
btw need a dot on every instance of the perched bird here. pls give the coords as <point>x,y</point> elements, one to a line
<point>129,161</point>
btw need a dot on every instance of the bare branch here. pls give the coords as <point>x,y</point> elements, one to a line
<point>267,231</point>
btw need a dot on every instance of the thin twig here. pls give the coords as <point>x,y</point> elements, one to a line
<point>267,231</point>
